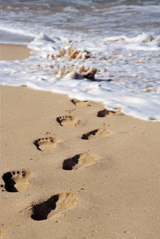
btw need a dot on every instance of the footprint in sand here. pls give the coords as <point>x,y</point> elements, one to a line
<point>79,161</point>
<point>53,205</point>
<point>67,121</point>
<point>16,181</point>
<point>97,133</point>
<point>46,144</point>
<point>105,112</point>
<point>80,103</point>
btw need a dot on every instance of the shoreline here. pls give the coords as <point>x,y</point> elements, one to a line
<point>103,184</point>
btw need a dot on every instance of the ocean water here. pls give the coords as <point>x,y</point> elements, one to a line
<point>120,39</point>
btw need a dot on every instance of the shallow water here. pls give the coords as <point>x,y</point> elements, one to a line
<point>92,17</point>
<point>122,38</point>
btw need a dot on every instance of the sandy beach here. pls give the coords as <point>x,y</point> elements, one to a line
<point>13,52</point>
<point>73,170</point>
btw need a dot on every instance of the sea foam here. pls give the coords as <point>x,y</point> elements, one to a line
<point>126,79</point>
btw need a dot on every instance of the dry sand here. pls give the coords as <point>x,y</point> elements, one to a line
<point>54,184</point>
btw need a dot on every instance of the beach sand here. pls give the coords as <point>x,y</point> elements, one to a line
<point>13,52</point>
<point>66,173</point>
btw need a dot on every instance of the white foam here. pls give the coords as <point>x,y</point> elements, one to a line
<point>135,76</point>
<point>144,37</point>
<point>71,9</point>
<point>15,36</point>
<point>117,48</point>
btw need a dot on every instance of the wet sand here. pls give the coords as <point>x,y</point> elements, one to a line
<point>13,52</point>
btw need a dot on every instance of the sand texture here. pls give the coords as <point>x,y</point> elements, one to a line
<point>72,169</point>
<point>54,184</point>
<point>16,52</point>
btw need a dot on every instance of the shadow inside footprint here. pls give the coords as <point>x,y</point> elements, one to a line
<point>41,211</point>
<point>79,160</point>
<point>86,136</point>
<point>9,182</point>
<point>53,205</point>
<point>68,164</point>
<point>16,181</point>
<point>96,133</point>
<point>105,112</point>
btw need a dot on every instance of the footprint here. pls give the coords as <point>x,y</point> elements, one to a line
<point>46,144</point>
<point>67,121</point>
<point>96,133</point>
<point>80,103</point>
<point>105,112</point>
<point>53,205</point>
<point>16,181</point>
<point>79,161</point>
